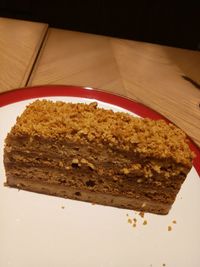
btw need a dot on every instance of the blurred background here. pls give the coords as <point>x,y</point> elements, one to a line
<point>172,23</point>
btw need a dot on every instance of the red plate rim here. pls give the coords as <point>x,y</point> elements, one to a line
<point>25,93</point>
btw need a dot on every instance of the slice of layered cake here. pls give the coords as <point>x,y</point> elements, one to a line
<point>87,153</point>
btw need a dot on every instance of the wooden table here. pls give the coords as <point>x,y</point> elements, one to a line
<point>19,45</point>
<point>163,78</point>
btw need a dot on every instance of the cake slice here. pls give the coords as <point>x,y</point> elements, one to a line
<point>83,152</point>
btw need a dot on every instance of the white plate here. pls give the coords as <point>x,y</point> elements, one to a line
<point>39,230</point>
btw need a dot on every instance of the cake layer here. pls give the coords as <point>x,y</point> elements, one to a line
<point>120,201</point>
<point>94,156</point>
<point>108,173</point>
<point>63,148</point>
<point>96,183</point>
<point>129,169</point>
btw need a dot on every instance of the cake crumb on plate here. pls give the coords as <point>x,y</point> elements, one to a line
<point>169,228</point>
<point>141,213</point>
<point>145,222</point>
<point>130,221</point>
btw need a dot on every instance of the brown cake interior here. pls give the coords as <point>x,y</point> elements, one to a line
<point>82,152</point>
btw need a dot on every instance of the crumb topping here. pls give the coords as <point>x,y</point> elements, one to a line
<point>85,123</point>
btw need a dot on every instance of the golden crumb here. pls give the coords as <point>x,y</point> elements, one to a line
<point>141,213</point>
<point>84,161</point>
<point>129,221</point>
<point>169,228</point>
<point>145,222</point>
<point>85,123</point>
<point>164,264</point>
<point>135,220</point>
<point>62,207</point>
<point>75,161</point>
<point>125,171</point>
<point>174,222</point>
<point>91,165</point>
<point>144,204</point>
<point>134,224</point>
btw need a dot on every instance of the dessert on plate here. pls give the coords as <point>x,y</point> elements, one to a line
<point>83,152</point>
